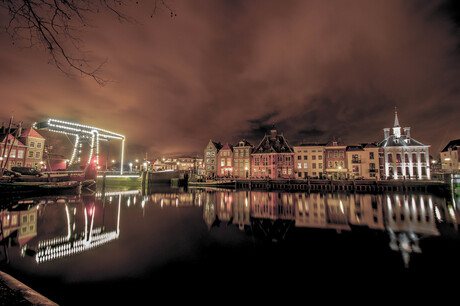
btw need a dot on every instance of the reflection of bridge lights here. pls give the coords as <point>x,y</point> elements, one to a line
<point>71,248</point>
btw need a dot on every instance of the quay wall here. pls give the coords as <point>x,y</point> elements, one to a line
<point>344,185</point>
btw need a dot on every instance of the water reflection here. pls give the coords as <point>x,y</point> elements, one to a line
<point>405,218</point>
<point>55,227</point>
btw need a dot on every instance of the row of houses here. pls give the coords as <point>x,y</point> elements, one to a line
<point>397,156</point>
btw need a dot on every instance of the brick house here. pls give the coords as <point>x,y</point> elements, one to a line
<point>336,159</point>
<point>210,158</point>
<point>16,150</point>
<point>242,159</point>
<point>273,157</point>
<point>35,144</point>
<point>225,161</point>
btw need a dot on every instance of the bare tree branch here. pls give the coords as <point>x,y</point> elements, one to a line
<point>55,25</point>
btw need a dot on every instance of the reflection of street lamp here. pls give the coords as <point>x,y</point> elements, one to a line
<point>130,166</point>
<point>246,169</point>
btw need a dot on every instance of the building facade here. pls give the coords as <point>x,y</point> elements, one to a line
<point>403,156</point>
<point>309,161</point>
<point>363,161</point>
<point>210,158</point>
<point>273,157</point>
<point>336,160</point>
<point>449,157</point>
<point>225,161</point>
<point>242,159</point>
<point>35,144</point>
<point>12,151</point>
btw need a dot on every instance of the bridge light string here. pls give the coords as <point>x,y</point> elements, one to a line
<point>83,131</point>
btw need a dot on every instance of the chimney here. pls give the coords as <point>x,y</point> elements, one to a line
<point>273,133</point>
<point>407,131</point>
<point>386,133</point>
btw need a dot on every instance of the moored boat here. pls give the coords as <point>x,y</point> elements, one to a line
<point>223,183</point>
<point>39,188</point>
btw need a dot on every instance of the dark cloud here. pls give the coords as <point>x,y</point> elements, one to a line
<point>228,70</point>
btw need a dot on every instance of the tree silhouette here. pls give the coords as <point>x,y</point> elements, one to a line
<point>56,25</point>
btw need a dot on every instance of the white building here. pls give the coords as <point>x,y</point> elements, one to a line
<point>404,157</point>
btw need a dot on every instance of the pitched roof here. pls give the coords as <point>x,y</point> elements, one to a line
<point>243,143</point>
<point>2,139</point>
<point>355,148</point>
<point>277,144</point>
<point>453,144</point>
<point>227,147</point>
<point>403,141</point>
<point>335,143</point>
<point>30,132</point>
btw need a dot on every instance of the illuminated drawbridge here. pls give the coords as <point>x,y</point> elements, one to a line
<point>83,134</point>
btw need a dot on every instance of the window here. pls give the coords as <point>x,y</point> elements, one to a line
<point>32,144</point>
<point>229,161</point>
<point>406,158</point>
<point>256,161</point>
<point>299,165</point>
<point>24,219</point>
<point>39,145</point>
<point>265,161</point>
<point>398,158</point>
<point>340,153</point>
<point>299,157</point>
<point>305,165</point>
<point>371,155</point>
<point>222,162</point>
<point>422,158</point>
<point>313,157</point>
<point>6,220</point>
<point>320,165</point>
<point>37,154</point>
<point>288,159</point>
<point>13,153</point>
<point>390,157</point>
<point>305,157</point>
<point>414,157</point>
<point>31,154</point>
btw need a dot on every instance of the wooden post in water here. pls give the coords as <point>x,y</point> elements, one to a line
<point>104,176</point>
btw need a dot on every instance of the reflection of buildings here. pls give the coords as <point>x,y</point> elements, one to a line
<point>20,221</point>
<point>406,218</point>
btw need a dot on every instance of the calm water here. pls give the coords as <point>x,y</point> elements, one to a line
<point>209,245</point>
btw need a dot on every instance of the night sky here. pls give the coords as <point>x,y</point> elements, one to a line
<point>228,70</point>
